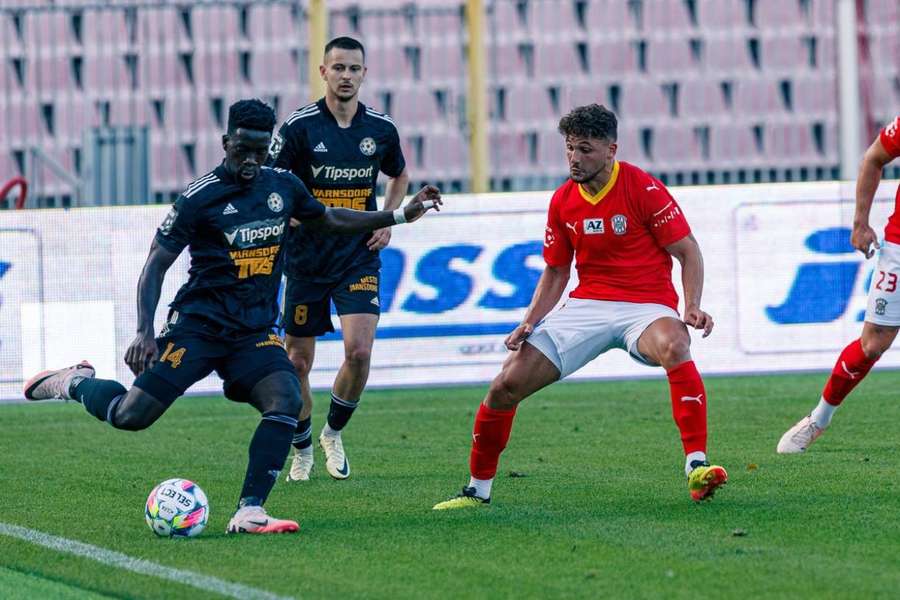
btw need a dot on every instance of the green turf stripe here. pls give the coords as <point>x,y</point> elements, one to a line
<point>26,586</point>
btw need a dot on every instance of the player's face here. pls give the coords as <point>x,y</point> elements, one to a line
<point>588,157</point>
<point>246,151</point>
<point>343,72</point>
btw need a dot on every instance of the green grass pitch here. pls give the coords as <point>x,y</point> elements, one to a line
<point>601,508</point>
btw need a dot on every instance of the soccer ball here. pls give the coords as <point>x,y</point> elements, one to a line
<point>177,508</point>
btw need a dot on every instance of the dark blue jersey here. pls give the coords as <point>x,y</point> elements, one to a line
<point>235,232</point>
<point>340,167</point>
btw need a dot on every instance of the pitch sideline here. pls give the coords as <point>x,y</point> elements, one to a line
<point>141,566</point>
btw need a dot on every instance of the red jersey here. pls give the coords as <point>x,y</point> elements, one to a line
<point>890,139</point>
<point>618,237</point>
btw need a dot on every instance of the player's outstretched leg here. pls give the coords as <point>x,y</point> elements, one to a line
<point>57,383</point>
<point>854,363</point>
<point>525,372</point>
<point>277,396</point>
<point>667,343</point>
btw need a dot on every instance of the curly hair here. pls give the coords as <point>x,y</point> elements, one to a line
<point>251,114</point>
<point>593,120</point>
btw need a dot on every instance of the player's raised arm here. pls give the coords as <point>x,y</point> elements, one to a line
<point>345,220</point>
<point>687,252</point>
<point>142,352</point>
<point>863,237</point>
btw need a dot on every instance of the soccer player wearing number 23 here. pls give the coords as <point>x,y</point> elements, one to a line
<point>883,310</point>
<point>622,227</point>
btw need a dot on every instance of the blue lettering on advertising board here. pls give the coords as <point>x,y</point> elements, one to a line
<point>821,291</point>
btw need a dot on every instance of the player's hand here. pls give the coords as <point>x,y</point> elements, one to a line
<point>864,239</point>
<point>380,239</point>
<point>519,334</point>
<point>142,353</point>
<point>428,197</point>
<point>698,319</point>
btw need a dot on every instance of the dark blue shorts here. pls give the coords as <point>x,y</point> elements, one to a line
<point>192,347</point>
<point>307,306</point>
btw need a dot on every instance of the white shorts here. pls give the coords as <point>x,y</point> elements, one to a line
<point>581,330</point>
<point>884,293</point>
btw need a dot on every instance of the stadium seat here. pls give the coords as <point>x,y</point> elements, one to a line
<point>216,26</point>
<point>732,146</point>
<point>273,25</point>
<point>509,153</point>
<point>668,55</point>
<point>701,98</point>
<point>757,97</point>
<point>642,99</point>
<point>217,69</point>
<point>270,68</point>
<point>414,107</point>
<point>555,20</point>
<point>668,16</point>
<point>445,156</point>
<point>782,53</point>
<point>552,154</point>
<point>882,11</point>
<point>556,60</point>
<point>721,14</point>
<point>789,143</point>
<point>777,13</point>
<point>728,55</point>
<point>675,147</point>
<point>611,57</point>
<point>629,145</point>
<point>443,64</point>
<point>609,16</point>
<point>106,72</point>
<point>527,104</point>
<point>105,28</point>
<point>47,29</point>
<point>815,95</point>
<point>161,28</point>
<point>388,64</point>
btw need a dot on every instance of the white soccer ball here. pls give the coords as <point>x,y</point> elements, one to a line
<point>177,508</point>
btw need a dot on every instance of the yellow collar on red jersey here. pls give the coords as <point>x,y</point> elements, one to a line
<point>605,190</point>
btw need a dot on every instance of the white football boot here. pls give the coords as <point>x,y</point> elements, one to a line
<point>254,519</point>
<point>54,384</point>
<point>799,437</point>
<point>335,460</point>
<point>301,465</point>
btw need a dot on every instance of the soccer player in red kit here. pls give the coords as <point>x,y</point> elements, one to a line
<point>622,227</point>
<point>883,310</point>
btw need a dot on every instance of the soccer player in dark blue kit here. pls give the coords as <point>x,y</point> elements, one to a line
<point>234,220</point>
<point>337,147</point>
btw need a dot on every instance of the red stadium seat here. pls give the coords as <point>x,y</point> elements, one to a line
<point>777,13</point>
<point>721,14</point>
<point>784,53</point>
<point>732,146</point>
<point>667,16</point>
<point>612,57</point>
<point>757,97</point>
<point>665,55</point>
<point>642,99</point>
<point>701,98</point>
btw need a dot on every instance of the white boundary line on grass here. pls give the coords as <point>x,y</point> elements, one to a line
<point>206,583</point>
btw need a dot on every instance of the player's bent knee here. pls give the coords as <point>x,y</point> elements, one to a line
<point>675,350</point>
<point>278,392</point>
<point>504,393</point>
<point>302,363</point>
<point>359,356</point>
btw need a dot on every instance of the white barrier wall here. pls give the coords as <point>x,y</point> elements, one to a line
<point>784,286</point>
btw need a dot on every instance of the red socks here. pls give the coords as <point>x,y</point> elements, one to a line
<point>689,405</point>
<point>489,437</point>
<point>851,367</point>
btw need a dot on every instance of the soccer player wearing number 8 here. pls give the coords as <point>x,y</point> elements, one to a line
<point>883,311</point>
<point>337,146</point>
<point>622,227</point>
<point>234,220</point>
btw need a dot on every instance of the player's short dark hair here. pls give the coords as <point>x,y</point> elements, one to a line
<point>593,120</point>
<point>251,114</point>
<point>345,43</point>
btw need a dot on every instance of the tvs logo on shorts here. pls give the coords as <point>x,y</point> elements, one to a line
<point>367,146</point>
<point>276,145</point>
<point>880,306</point>
<point>275,202</point>
<point>593,226</point>
<point>619,224</point>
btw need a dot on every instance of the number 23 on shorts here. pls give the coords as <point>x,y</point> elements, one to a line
<point>886,282</point>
